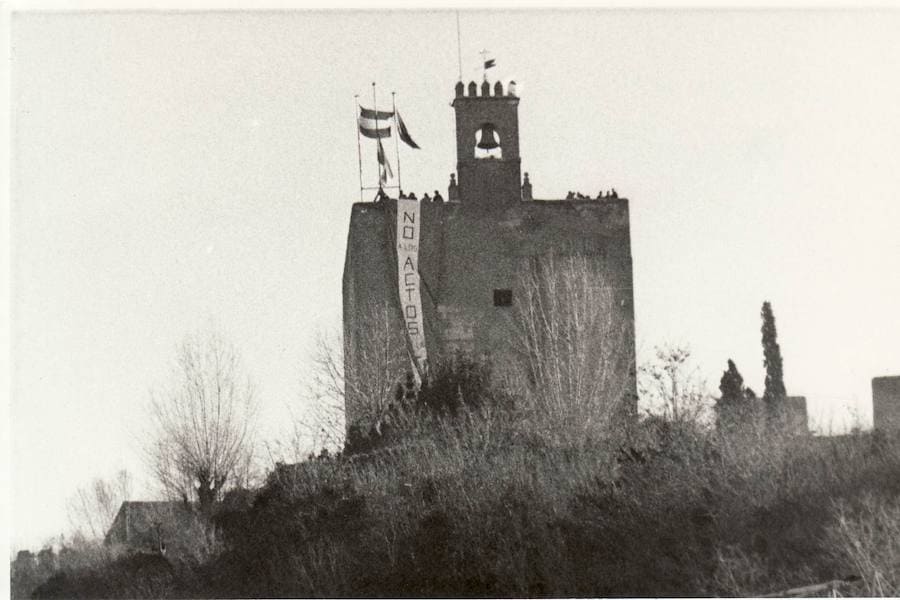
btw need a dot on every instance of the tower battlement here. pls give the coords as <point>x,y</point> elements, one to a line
<point>487,145</point>
<point>472,90</point>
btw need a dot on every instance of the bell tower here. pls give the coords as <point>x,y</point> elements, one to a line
<point>487,144</point>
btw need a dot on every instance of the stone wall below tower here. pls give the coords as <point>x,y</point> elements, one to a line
<point>886,403</point>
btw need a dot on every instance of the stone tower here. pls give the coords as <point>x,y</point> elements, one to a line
<point>471,253</point>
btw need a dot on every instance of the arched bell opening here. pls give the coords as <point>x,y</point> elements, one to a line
<point>487,142</point>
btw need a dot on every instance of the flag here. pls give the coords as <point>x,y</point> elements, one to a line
<point>403,132</point>
<point>375,124</point>
<point>381,115</point>
<point>489,63</point>
<point>386,166</point>
<point>369,129</point>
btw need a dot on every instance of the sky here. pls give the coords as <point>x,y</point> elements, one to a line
<point>172,172</point>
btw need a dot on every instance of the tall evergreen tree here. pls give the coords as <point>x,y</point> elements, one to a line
<point>775,392</point>
<point>737,404</point>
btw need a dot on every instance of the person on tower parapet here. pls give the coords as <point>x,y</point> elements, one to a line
<point>438,197</point>
<point>426,198</point>
<point>453,189</point>
<point>526,188</point>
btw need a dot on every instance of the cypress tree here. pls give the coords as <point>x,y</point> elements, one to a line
<point>737,405</point>
<point>775,392</point>
<point>731,386</point>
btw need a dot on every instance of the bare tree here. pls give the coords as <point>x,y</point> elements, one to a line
<point>672,385</point>
<point>576,342</point>
<point>363,376</point>
<point>93,508</point>
<point>202,422</point>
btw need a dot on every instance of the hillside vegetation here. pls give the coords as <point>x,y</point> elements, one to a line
<point>491,502</point>
<point>541,483</point>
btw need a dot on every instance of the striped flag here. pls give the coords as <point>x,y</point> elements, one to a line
<point>489,63</point>
<point>381,115</point>
<point>386,171</point>
<point>375,124</point>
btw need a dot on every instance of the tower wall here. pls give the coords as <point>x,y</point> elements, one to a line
<point>465,254</point>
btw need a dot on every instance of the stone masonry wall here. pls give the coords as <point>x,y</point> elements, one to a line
<point>467,252</point>
<point>886,402</point>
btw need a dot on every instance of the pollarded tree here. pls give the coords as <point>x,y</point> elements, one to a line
<point>775,392</point>
<point>202,423</point>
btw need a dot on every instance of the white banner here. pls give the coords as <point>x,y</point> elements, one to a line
<point>408,224</point>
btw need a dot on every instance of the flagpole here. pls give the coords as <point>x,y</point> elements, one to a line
<point>358,146</point>
<point>458,46</point>
<point>396,140</point>
<point>377,132</point>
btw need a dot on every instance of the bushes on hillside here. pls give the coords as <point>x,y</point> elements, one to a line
<point>866,537</point>
<point>460,496</point>
<point>481,507</point>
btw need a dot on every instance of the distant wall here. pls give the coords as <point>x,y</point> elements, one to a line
<point>794,415</point>
<point>886,402</point>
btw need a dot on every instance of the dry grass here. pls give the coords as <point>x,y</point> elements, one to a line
<point>867,536</point>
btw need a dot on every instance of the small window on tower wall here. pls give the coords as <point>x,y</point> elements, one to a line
<point>502,297</point>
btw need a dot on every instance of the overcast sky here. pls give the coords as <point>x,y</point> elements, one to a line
<point>175,170</point>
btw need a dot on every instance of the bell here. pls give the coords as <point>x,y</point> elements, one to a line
<point>489,138</point>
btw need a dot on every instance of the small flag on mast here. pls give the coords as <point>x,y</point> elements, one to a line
<point>489,63</point>
<point>403,132</point>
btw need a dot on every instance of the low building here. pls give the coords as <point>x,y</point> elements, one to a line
<point>151,526</point>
